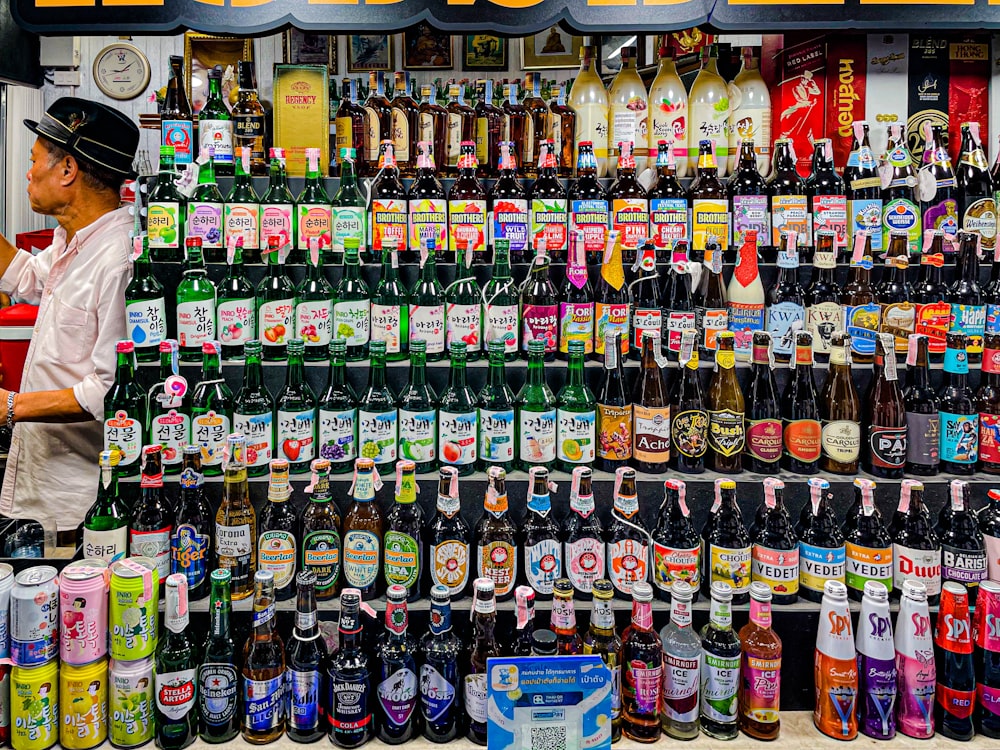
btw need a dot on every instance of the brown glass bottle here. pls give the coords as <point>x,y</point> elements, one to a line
<point>629,205</point>
<point>433,122</point>
<point>861,309</point>
<point>923,422</point>
<point>562,130</point>
<point>489,129</point>
<point>762,454</point>
<point>467,208</point>
<point>263,665</point>
<point>689,426</point>
<point>321,539</point>
<point>800,412</point>
<point>823,311</point>
<point>650,412</point>
<point>363,534</point>
<point>726,411</point>
<point>895,293</point>
<point>885,415</point>
<point>349,123</point>
<point>563,621</point>
<point>642,660</point>
<point>484,646</point>
<point>536,124</point>
<point>515,128</point>
<point>509,192</point>
<point>988,406</point>
<point>378,123</point>
<point>405,127</point>
<point>840,412</point>
<point>627,537</point>
<point>388,210</point>
<point>496,544</point>
<point>789,207</point>
<point>449,538</point>
<point>668,205</point>
<point>461,127</point>
<point>176,119</point>
<point>249,120</point>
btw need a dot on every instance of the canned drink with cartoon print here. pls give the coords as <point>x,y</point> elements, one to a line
<point>6,585</point>
<point>131,694</point>
<point>34,694</point>
<point>34,616</point>
<point>83,611</point>
<point>133,609</point>
<point>83,703</point>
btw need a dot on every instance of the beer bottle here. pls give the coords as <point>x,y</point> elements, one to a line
<point>963,549</point>
<point>991,293</point>
<point>976,201</point>
<point>439,674</point>
<point>583,536</point>
<point>145,305</point>
<point>676,544</point>
<point>861,310</point>
<point>690,425</point>
<point>885,415</point>
<point>709,207</point>
<point>195,299</point>
<point>337,413</point>
<point>427,304</point>
<point>489,123</point>
<point>428,207</point>
<point>484,645</point>
<point>627,537</point>
<point>987,661</point>
<point>589,210</point>
<point>507,203</point>
<point>350,680</point>
<point>539,308</point>
<point>542,552</point>
<point>524,604</point>
<point>614,412</point>
<point>467,208</point>
<point>388,208</point>
<point>763,446</point>
<point>166,216</point>
<point>536,414</point>
<point>363,532</point>
<point>321,539</point>
<point>916,551</point>
<point>835,667</point>
<point>308,663</point>
<point>923,424</point>
<point>275,303</point>
<point>464,306</point>
<point>404,534</point>
<point>775,552</point>
<point>930,295</point>
<point>955,671</point>
<point>710,305</point>
<point>681,667</point>
<point>720,666</point>
<point>789,206</point>
<point>642,682</point>
<point>840,412</point>
<point>612,300</point>
<point>176,711</point>
<point>629,203</point>
<point>576,416</point>
<point>726,411</point>
<point>568,640</point>
<point>867,542</point>
<point>496,538</point>
<point>965,296</point>
<point>748,198</point>
<point>823,313</point>
<point>647,310</point>
<point>678,302</point>
<point>726,545</point>
<point>125,413</point>
<point>548,206</point>
<point>863,187</point>
<point>668,204</point>
<point>745,313</point>
<point>377,417</point>
<point>651,411</point>
<point>152,518</point>
<point>900,212</point>
<point>105,527</point>
<point>253,409</point>
<point>827,197</point>
<point>602,640</point>
<point>218,683</point>
<point>562,129</point>
<point>989,525</point>
<point>959,417</point>
<point>458,417</point>
<point>236,523</point>
<point>821,543</point>
<point>398,719</point>
<point>191,539</point>
<point>536,123</point>
<point>449,538</point>
<point>939,206</point>
<point>759,694</point>
<point>800,412</point>
<point>264,668</point>
<point>786,312</point>
<point>500,304</point>
<point>876,665</point>
<point>895,293</point>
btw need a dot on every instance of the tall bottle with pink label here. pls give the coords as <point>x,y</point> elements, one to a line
<point>760,669</point>
<point>835,667</point>
<point>277,207</point>
<point>642,659</point>
<point>876,664</point>
<point>915,663</point>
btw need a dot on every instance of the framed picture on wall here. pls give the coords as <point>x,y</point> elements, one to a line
<point>554,48</point>
<point>484,52</point>
<point>611,51</point>
<point>307,48</point>
<point>369,52</point>
<point>426,48</point>
<point>202,52</point>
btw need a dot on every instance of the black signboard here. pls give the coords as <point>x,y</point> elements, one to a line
<point>18,51</point>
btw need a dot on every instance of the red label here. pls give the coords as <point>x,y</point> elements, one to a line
<point>888,446</point>
<point>967,86</point>
<point>177,695</point>
<point>803,438</point>
<point>797,102</point>
<point>845,74</point>
<point>989,437</point>
<point>933,320</point>
<point>991,361</point>
<point>764,439</point>
<point>958,703</point>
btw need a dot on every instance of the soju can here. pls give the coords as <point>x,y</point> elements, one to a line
<point>83,700</point>
<point>134,607</point>
<point>6,584</point>
<point>34,699</point>
<point>131,687</point>
<point>34,616</point>
<point>83,607</point>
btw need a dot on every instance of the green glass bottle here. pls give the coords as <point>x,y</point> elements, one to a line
<point>576,415</point>
<point>253,412</point>
<point>427,306</point>
<point>168,410</point>
<point>350,213</point>
<point>211,411</point>
<point>390,310</point>
<point>338,414</point>
<point>195,303</point>
<point>464,300</point>
<point>536,414</point>
<point>125,413</point>
<point>215,125</point>
<point>313,206</point>
<point>295,416</point>
<point>105,527</point>
<point>241,216</point>
<point>352,305</point>
<point>321,534</point>
<point>277,209</point>
<point>496,414</point>
<point>145,306</point>
<point>418,414</point>
<point>377,418</point>
<point>501,303</point>
<point>458,418</point>
<point>176,672</point>
<point>314,308</point>
<point>236,304</point>
<point>218,682</point>
<point>275,305</point>
<point>204,210</point>
<point>165,212</point>
<point>404,543</point>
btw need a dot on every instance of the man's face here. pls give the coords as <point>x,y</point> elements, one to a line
<point>47,180</point>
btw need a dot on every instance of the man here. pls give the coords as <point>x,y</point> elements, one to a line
<point>83,153</point>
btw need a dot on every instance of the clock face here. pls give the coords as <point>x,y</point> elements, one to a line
<point>121,71</point>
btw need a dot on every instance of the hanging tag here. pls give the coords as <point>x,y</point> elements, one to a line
<point>688,337</point>
<point>145,573</point>
<point>314,251</point>
<point>912,342</point>
<point>574,489</point>
<point>867,496</point>
<point>423,252</point>
<point>974,132</point>
<point>619,476</point>
<point>860,242</point>
<point>905,489</point>
<point>187,180</point>
<point>926,184</point>
<point>816,488</point>
<point>231,245</point>
<point>717,502</point>
<point>928,240</point>
<point>771,486</point>
<point>889,360</point>
<point>957,492</point>
<point>681,487</point>
<point>136,248</point>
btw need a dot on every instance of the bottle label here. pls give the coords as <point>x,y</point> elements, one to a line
<point>866,213</point>
<point>275,322</point>
<point>970,320</point>
<point>303,699</point>
<point>719,682</point>
<point>933,320</point>
<point>778,568</point>
<point>923,443</point>
<point>959,437</point>
<point>276,221</point>
<point>992,318</point>
<point>614,432</point>
<point>902,215</point>
<point>450,564</point>
<point>314,323</point>
<point>783,320</point>
<point>867,564</point>
<point>195,323</point>
<point>584,562</point>
<point>576,323</point>
<point>681,682</point>
<point>429,221</point>
<point>887,446</point>
<point>349,222</point>
<point>548,220</point>
<point>732,565</point>
<point>180,135</point>
<point>257,430</point>
<point>467,221</point>
<point>418,435</point>
<point>689,432</point>
<point>764,438</point>
<point>726,432</point>
<point>956,704</point>
<point>709,218</point>
<point>386,326</point>
<point>576,436</point>
<point>397,694</point>
<point>498,562</point>
<point>822,321</point>
<point>337,430</point>
<point>919,565</point>
<point>830,212</point>
<point>543,564</point>
<point>609,320</point>
<point>672,564</point>
<point>217,693</point>
<point>711,322</point>
<point>668,222</point>
<point>749,214</point>
<point>402,559</point>
<point>643,319</point>
<point>361,558</point>
<point>147,322</point>
<point>677,322</point>
<point>967,566</point>
<point>916,693</point>
<point>989,699</point>
<point>351,321</point>
<point>106,545</point>
<point>457,438</point>
<point>436,694</point>
<point>377,435</point>
<point>122,433</point>
<point>592,218</point>
<point>219,135</point>
<point>992,544</point>
<point>628,560</point>
<point>154,545</point>
<point>981,216</point>
<point>862,324</point>
<point>314,224</point>
<point>276,552</point>
<point>644,681</point>
<point>389,221</point>
<point>464,323</point>
<point>630,217</point>
<point>263,703</point>
<point>350,712</point>
<point>538,436</point>
<point>744,318</point>
<point>652,433</point>
<point>841,440</point>
<point>496,435</point>
<point>205,221</point>
<point>817,565</point>
<point>899,319</point>
<point>296,440</point>
<point>510,222</point>
<point>501,325</point>
<point>188,553</point>
<point>790,212</point>
<point>233,541</point>
<point>175,693</point>
<point>475,697</point>
<point>237,321</point>
<point>762,698</point>
<point>539,324</point>
<point>242,220</point>
<point>209,430</point>
<point>803,438</point>
<point>427,323</point>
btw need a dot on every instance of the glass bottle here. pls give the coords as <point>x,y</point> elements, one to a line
<point>398,718</point>
<point>467,208</point>
<point>708,200</point>
<point>433,120</point>
<point>953,653</point>
<point>195,303</point>
<point>759,694</point>
<point>236,524</point>
<point>576,415</point>
<point>958,414</point>
<point>668,203</point>
<point>500,304</point>
<point>539,309</point>
<point>275,304</point>
<point>378,121</point>
<point>105,527</point>
<point>125,412</point>
<point>720,665</point>
<point>176,118</point>
<point>650,412</point>
<point>484,646</point>
<point>612,299</point>
<point>404,542</point>
<point>536,414</point>
<point>968,306</point>
<point>548,204</point>
<point>250,120</point>
<point>236,307</point>
<point>678,302</point>
<point>543,563</point>
<point>828,201</point>
<point>418,418</point>
<point>277,209</point>
<point>405,126</point>
<point>562,130</point>
<point>253,412</point>
<point>218,680</point>
<point>495,401</point>
<point>489,122</point>
<point>263,682</point>
<point>863,187</point>
<point>614,424</point>
<point>308,663</point>
<point>377,417</point>
<point>204,213</point>
<point>786,312</point>
<point>963,548</point>
<point>899,208</point>
<point>363,532</point>
<point>428,209</point>
<point>976,201</point>
<point>763,427</point>
<point>689,425</point>
<point>388,209</point>
<point>923,423</point>
<point>461,127</point>
<point>215,125</point>
<point>279,532</point>
<point>390,310</point>
<point>602,640</point>
<point>241,213</point>
<point>464,307</point>
<point>933,317</point>
<point>458,417</point>
<point>710,304</point>
<point>775,552</point>
<point>176,665</point>
<point>151,522</point>
<point>166,214</point>
<point>516,124</point>
<point>349,209</point>
<point>352,305</point>
<point>647,309</point>
<point>748,198</point>
<point>823,312</point>
<point>315,316</point>
<point>320,534</point>
<point>885,415</point>
<point>191,548</point>
<point>145,307</point>
<point>727,553</point>
<point>726,410</point>
<point>629,202</point>
<point>495,536</point>
<point>803,432</point>
<point>211,411</point>
<point>642,658</point>
<point>589,210</point>
<point>295,414</point>
<point>939,208</point>
<point>821,543</point>
<point>676,544</point>
<point>449,538</point>
<point>507,203</point>
<point>427,306</point>
<point>916,550</point>
<point>314,217</point>
<point>679,715</point>
<point>840,412</point>
<point>350,681</point>
<point>789,206</point>
<point>868,544</point>
<point>627,537</point>
<point>439,674</point>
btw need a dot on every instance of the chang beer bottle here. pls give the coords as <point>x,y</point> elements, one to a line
<point>166,211</point>
<point>125,412</point>
<point>204,211</point>
<point>277,207</point>
<point>377,416</point>
<point>275,303</point>
<point>458,417</point>
<point>313,308</point>
<point>500,303</point>
<point>352,305</point>
<point>418,418</point>
<point>236,304</point>
<point>105,527</point>
<point>390,309</point>
<point>195,303</point>
<point>404,563</point>
<point>496,414</point>
<point>350,214</point>
<point>295,414</point>
<point>169,410</point>
<point>241,217</point>
<point>253,413</point>
<point>211,411</point>
<point>313,207</point>
<point>145,307</point>
<point>337,414</point>
<point>536,414</point>
<point>218,679</point>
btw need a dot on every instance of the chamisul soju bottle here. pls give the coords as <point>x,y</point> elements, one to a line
<point>204,214</point>
<point>418,422</point>
<point>314,319</point>
<point>195,303</point>
<point>105,527</point>
<point>458,418</point>
<point>145,307</point>
<point>253,412</point>
<point>337,414</point>
<point>295,414</point>
<point>211,411</point>
<point>165,217</point>
<point>500,303</point>
<point>536,414</point>
<point>390,309</point>
<point>125,412</point>
<point>496,414</point>
<point>352,305</point>
<point>313,207</point>
<point>275,304</point>
<point>377,418</point>
<point>404,541</point>
<point>236,304</point>
<point>464,306</point>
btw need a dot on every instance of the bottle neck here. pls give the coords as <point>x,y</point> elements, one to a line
<point>253,375</point>
<point>760,613</point>
<point>219,611</point>
<point>456,376</point>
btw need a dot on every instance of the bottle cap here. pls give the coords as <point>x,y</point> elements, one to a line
<point>642,591</point>
<point>836,590</point>
<point>124,347</point>
<point>305,578</point>
<point>759,591</point>
<point>683,591</point>
<point>543,642</point>
<point>876,590</point>
<point>915,590</point>
<point>721,591</point>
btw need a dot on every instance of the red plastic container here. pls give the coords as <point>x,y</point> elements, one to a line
<point>35,241</point>
<point>16,324</point>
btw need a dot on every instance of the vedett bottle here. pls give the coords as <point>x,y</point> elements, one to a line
<point>876,665</point>
<point>956,688</point>
<point>915,673</point>
<point>986,636</point>
<point>821,543</point>
<point>868,544</point>
<point>835,668</point>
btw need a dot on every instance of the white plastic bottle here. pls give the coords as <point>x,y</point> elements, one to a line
<point>668,111</point>
<point>917,675</point>
<point>835,669</point>
<point>876,664</point>
<point>709,106</point>
<point>750,114</point>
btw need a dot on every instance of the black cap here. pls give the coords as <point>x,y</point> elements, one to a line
<point>90,131</point>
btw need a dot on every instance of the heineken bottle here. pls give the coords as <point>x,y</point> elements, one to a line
<point>253,413</point>
<point>236,304</point>
<point>496,414</point>
<point>352,305</point>
<point>390,309</point>
<point>337,414</point>
<point>105,527</point>
<point>536,414</point>
<point>295,416</point>
<point>218,680</point>
<point>313,308</point>
<point>195,303</point>
<point>204,214</point>
<point>125,412</point>
<point>145,307</point>
<point>458,417</point>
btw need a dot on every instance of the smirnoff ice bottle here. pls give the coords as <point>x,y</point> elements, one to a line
<point>835,666</point>
<point>915,669</point>
<point>876,664</point>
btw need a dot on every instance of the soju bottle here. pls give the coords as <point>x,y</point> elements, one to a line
<point>500,297</point>
<point>449,538</point>
<point>418,403</point>
<point>279,532</point>
<point>295,416</point>
<point>176,710</point>
<point>277,208</point>
<point>576,415</point>
<point>426,302</point>
<point>241,218</point>
<point>145,307</point>
<point>275,304</point>
<point>390,309</point>
<point>720,667</point>
<point>350,214</point>
<point>496,414</point>
<point>321,538</point>
<point>338,414</point>
<point>404,541</point>
<point>195,303</point>
<point>236,304</point>
<point>191,539</point>
<point>539,308</point>
<point>204,211</point>
<point>352,305</point>
<point>464,306</point>
<point>458,418</point>
<point>105,527</point>
<point>125,412</point>
<point>165,217</point>
<point>211,411</point>
<point>377,419</point>
<point>215,125</point>
<point>253,413</point>
<point>314,320</point>
<point>313,207</point>
<point>168,409</point>
<point>536,414</point>
<point>439,674</point>
<point>218,680</point>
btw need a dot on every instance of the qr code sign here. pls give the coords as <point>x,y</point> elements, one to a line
<point>548,738</point>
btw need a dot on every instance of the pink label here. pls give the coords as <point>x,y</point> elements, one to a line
<point>540,325</point>
<point>645,682</point>
<point>989,699</point>
<point>585,562</point>
<point>993,555</point>
<point>830,212</point>
<point>84,620</point>
<point>762,678</point>
<point>917,678</point>
<point>276,221</point>
<point>577,276</point>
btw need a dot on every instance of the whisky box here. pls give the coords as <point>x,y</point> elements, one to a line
<point>969,75</point>
<point>885,86</point>
<point>797,105</point>
<point>927,90</point>
<point>302,114</point>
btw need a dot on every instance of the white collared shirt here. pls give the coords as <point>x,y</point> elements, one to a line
<point>80,289</point>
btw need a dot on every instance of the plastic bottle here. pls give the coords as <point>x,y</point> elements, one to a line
<point>915,670</point>
<point>876,664</point>
<point>835,667</point>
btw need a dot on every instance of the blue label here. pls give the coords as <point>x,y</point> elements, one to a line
<point>956,361</point>
<point>437,689</point>
<point>781,320</point>
<point>302,689</point>
<point>180,135</point>
<point>959,438</point>
<point>970,320</point>
<point>377,435</point>
<point>188,550</point>
<point>901,215</point>
<point>440,618</point>
<point>541,504</point>
<point>993,319</point>
<point>817,565</point>
<point>263,703</point>
<point>543,564</point>
<point>866,213</point>
<point>862,324</point>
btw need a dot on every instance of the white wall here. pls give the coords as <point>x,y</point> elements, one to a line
<point>22,103</point>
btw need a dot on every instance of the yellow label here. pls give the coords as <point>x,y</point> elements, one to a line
<point>710,217</point>
<point>83,694</point>
<point>451,563</point>
<point>725,359</point>
<point>731,565</point>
